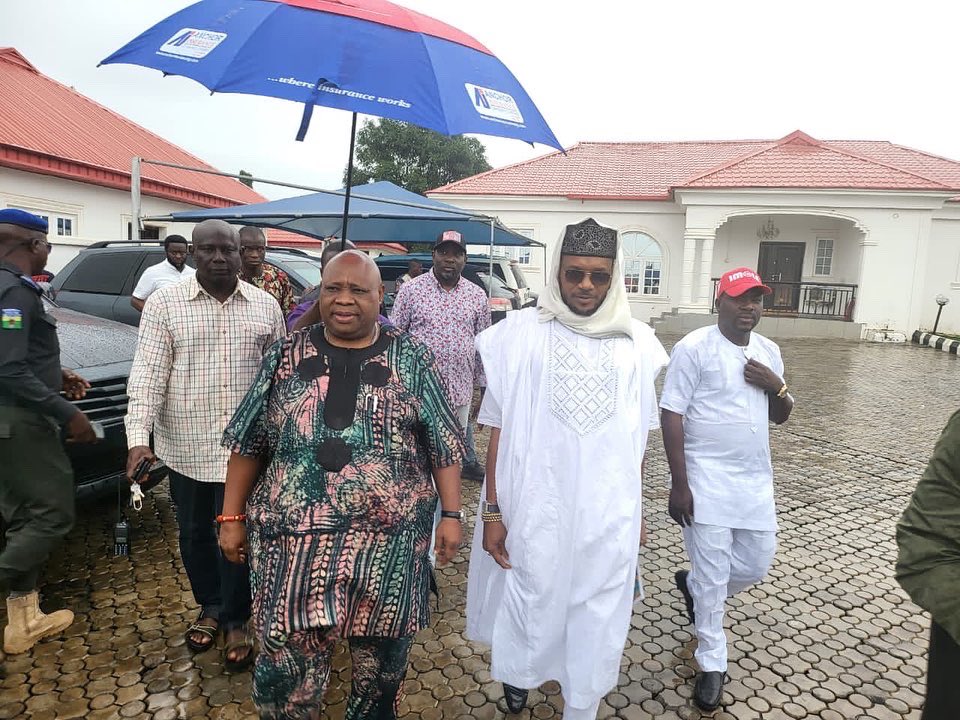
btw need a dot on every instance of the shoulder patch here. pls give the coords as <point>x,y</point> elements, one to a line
<point>11,319</point>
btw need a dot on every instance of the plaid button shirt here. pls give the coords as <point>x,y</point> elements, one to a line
<point>195,359</point>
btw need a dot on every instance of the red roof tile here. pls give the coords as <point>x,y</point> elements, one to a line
<point>49,128</point>
<point>651,171</point>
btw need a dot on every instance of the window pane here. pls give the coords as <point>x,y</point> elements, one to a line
<point>642,263</point>
<point>102,273</point>
<point>823,264</point>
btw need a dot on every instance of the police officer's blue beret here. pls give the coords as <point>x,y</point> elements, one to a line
<point>12,216</point>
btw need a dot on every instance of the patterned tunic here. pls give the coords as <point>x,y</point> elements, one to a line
<point>276,282</point>
<point>339,522</point>
<point>447,321</point>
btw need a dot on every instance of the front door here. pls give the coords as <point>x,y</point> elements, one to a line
<point>781,267</point>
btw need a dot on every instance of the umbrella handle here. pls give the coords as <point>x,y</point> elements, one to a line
<point>346,196</point>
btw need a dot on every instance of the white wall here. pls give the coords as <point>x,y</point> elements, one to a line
<point>98,213</point>
<point>942,273</point>
<point>737,244</point>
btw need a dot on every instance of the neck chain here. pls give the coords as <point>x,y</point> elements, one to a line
<point>376,336</point>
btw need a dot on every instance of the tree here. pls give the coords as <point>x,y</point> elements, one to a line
<point>413,157</point>
<point>246,178</point>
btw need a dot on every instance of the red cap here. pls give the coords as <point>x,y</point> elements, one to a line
<point>737,281</point>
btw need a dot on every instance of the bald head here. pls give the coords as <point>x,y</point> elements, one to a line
<point>216,253</point>
<point>215,228</point>
<point>331,249</point>
<point>350,297</point>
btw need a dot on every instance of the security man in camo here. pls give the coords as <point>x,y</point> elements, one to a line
<point>36,480</point>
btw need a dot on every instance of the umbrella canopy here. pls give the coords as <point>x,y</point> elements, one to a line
<point>366,56</point>
<point>379,212</point>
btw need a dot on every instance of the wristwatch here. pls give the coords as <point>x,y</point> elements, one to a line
<point>452,514</point>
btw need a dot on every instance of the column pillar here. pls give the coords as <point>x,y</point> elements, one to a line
<point>692,282</point>
<point>705,295</point>
<point>687,269</point>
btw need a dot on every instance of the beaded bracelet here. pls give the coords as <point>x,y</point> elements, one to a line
<point>490,517</point>
<point>242,517</point>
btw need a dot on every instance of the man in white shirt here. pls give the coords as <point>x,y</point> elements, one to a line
<point>200,346</point>
<point>723,386</point>
<point>172,270</point>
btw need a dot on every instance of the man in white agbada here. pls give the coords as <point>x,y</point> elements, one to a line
<point>570,400</point>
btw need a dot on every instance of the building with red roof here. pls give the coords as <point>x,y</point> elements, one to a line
<point>858,238</point>
<point>66,157</point>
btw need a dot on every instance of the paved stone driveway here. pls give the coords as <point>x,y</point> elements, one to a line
<point>829,634</point>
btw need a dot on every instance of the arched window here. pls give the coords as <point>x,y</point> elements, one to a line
<point>643,263</point>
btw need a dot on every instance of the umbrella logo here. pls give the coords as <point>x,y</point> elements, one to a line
<point>494,105</point>
<point>191,44</point>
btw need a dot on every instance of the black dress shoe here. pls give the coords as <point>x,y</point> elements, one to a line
<point>681,580</point>
<point>515,697</point>
<point>473,471</point>
<point>708,690</point>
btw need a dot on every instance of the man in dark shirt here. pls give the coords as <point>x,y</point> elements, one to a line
<point>36,485</point>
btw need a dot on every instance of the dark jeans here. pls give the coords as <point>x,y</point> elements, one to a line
<point>943,676</point>
<point>220,587</point>
<point>36,495</point>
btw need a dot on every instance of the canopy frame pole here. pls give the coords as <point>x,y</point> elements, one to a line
<point>490,289</point>
<point>135,199</point>
<point>346,197</point>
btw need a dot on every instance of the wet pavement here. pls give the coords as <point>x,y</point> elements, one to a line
<point>829,634</point>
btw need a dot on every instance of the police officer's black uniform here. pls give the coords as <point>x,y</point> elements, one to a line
<point>36,480</point>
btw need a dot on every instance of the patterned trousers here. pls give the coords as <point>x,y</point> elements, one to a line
<point>290,683</point>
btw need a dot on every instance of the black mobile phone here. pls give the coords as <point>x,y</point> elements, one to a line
<point>143,467</point>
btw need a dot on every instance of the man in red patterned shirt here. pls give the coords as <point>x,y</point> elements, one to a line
<point>253,248</point>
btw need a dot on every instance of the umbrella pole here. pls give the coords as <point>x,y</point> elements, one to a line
<point>346,197</point>
<point>490,289</point>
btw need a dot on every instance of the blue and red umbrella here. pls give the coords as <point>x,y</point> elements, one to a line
<point>365,56</point>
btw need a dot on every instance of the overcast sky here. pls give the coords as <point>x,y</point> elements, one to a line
<point>608,70</point>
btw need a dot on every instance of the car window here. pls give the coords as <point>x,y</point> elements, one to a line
<point>306,269</point>
<point>103,273</point>
<point>149,260</point>
<point>520,277</point>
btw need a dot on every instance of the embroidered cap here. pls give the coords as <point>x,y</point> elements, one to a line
<point>737,281</point>
<point>589,239</point>
<point>21,218</point>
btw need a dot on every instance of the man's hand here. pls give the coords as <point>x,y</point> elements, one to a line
<point>681,505</point>
<point>761,376</point>
<point>79,429</point>
<point>495,543</point>
<point>475,406</point>
<point>233,541</point>
<point>74,386</point>
<point>135,455</point>
<point>449,537</point>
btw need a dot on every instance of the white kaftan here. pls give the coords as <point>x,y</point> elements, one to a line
<point>574,414</point>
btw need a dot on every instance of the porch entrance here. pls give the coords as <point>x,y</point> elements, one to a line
<point>781,267</point>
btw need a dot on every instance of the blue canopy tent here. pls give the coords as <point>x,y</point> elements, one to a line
<point>379,212</point>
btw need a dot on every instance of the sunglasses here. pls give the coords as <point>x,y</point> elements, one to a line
<point>597,277</point>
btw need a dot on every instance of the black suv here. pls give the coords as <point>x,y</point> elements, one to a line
<point>101,278</point>
<point>101,351</point>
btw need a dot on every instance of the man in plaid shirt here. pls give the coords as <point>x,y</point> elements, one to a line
<point>199,348</point>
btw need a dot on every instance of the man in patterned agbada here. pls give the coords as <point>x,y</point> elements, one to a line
<point>570,400</point>
<point>329,493</point>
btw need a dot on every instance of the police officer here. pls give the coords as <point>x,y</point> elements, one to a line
<point>36,483</point>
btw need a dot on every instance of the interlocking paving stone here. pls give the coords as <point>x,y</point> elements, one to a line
<point>828,635</point>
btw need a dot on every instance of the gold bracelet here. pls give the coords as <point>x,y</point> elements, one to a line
<point>490,517</point>
<point>782,392</point>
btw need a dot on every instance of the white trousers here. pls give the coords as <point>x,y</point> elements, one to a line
<point>463,415</point>
<point>590,713</point>
<point>723,561</point>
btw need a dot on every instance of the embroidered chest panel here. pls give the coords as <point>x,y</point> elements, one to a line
<point>582,387</point>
